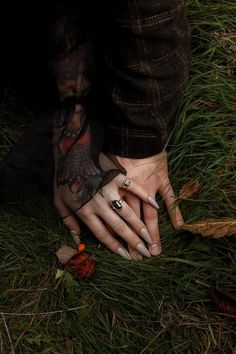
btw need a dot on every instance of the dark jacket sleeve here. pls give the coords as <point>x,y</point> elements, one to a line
<point>147,63</point>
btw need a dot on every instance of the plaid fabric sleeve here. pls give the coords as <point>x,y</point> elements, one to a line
<point>147,59</point>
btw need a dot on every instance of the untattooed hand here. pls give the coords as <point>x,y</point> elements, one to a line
<point>152,174</point>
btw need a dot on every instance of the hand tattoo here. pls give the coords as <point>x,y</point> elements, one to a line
<point>81,169</point>
<point>76,167</point>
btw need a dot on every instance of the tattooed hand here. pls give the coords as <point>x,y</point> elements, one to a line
<point>76,171</point>
<point>86,183</point>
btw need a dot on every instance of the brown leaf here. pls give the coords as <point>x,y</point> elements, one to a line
<point>82,265</point>
<point>65,253</point>
<point>214,228</point>
<point>224,301</point>
<point>189,189</point>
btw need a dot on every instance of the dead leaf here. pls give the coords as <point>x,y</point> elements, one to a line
<point>59,273</point>
<point>222,298</point>
<point>82,265</point>
<point>224,301</point>
<point>214,228</point>
<point>65,253</point>
<point>189,189</point>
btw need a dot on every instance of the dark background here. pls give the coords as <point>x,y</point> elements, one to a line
<point>25,61</point>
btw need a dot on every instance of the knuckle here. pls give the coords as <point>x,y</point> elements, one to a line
<point>167,187</point>
<point>84,213</point>
<point>150,214</point>
<point>128,214</point>
<point>120,227</point>
<point>134,221</point>
<point>102,237</point>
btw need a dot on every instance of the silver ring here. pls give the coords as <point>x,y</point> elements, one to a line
<point>126,183</point>
<point>117,204</point>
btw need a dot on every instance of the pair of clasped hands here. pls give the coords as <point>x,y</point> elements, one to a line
<point>147,177</point>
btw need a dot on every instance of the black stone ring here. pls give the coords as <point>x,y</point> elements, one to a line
<point>117,204</point>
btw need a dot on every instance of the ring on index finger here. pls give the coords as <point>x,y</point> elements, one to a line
<point>126,183</point>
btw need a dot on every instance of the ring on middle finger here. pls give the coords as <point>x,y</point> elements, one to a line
<point>117,204</point>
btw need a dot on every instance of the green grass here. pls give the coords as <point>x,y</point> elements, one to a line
<point>158,305</point>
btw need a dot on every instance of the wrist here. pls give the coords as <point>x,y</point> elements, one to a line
<point>132,143</point>
<point>162,156</point>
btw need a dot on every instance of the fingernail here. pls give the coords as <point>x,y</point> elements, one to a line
<point>123,253</point>
<point>155,249</point>
<point>75,232</point>
<point>76,236</point>
<point>143,250</point>
<point>136,256</point>
<point>153,202</point>
<point>145,235</point>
